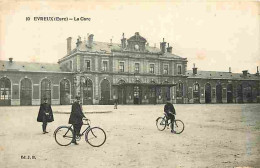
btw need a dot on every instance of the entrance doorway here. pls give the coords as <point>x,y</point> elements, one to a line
<point>105,92</point>
<point>229,93</point>
<point>65,92</point>
<point>26,92</point>
<point>207,93</point>
<point>219,93</point>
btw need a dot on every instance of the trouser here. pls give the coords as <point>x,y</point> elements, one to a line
<point>76,129</point>
<point>44,123</point>
<point>115,105</point>
<point>172,118</point>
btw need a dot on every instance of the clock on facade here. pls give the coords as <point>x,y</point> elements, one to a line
<point>136,47</point>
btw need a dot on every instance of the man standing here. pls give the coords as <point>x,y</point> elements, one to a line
<point>75,119</point>
<point>45,115</point>
<point>115,101</point>
<point>170,113</point>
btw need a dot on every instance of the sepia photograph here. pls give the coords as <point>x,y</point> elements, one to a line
<point>129,84</point>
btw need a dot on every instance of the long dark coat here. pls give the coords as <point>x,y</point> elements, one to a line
<point>76,114</point>
<point>45,108</point>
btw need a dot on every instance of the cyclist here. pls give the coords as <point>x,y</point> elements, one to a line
<point>76,117</point>
<point>170,113</point>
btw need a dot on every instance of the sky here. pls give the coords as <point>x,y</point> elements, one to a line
<point>213,35</point>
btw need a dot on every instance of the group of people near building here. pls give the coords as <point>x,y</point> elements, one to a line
<point>45,115</point>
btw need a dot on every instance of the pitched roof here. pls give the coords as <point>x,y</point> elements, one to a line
<point>100,47</point>
<point>221,75</point>
<point>104,47</point>
<point>29,66</point>
<point>137,37</point>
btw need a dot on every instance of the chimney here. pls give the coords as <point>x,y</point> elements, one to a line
<point>10,60</point>
<point>162,46</point>
<point>229,70</point>
<point>257,71</point>
<point>78,41</point>
<point>90,40</point>
<point>169,49</point>
<point>68,45</point>
<point>245,72</point>
<point>123,41</point>
<point>194,69</point>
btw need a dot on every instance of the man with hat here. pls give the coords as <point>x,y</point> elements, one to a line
<point>170,113</point>
<point>45,115</point>
<point>75,119</point>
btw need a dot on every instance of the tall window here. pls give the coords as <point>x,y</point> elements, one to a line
<point>70,65</point>
<point>105,66</point>
<point>196,87</point>
<point>179,69</point>
<point>166,69</point>
<point>87,65</point>
<point>121,67</point>
<point>5,89</point>
<point>179,90</point>
<point>137,67</point>
<point>151,68</point>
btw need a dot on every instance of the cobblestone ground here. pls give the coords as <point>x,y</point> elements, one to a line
<point>215,136</point>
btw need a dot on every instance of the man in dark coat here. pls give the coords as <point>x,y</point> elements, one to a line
<point>75,119</point>
<point>170,113</point>
<point>45,115</point>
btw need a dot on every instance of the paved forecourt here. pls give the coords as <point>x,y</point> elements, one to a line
<point>222,135</point>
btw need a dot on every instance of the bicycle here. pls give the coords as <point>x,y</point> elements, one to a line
<point>161,124</point>
<point>95,136</point>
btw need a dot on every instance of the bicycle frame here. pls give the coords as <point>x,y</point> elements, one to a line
<point>86,130</point>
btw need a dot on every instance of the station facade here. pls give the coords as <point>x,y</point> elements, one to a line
<point>132,72</point>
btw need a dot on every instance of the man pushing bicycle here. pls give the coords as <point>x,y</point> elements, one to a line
<point>76,117</point>
<point>169,113</point>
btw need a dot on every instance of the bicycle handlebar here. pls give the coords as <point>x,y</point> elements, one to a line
<point>86,120</point>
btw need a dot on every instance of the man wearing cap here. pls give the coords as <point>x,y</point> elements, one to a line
<point>170,112</point>
<point>75,119</point>
<point>45,115</point>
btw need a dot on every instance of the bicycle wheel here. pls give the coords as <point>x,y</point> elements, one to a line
<point>63,135</point>
<point>160,123</point>
<point>95,136</point>
<point>178,126</point>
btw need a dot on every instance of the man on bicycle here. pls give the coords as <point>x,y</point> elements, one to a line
<point>76,117</point>
<point>170,113</point>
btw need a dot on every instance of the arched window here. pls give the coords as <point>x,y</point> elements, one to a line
<point>5,92</point>
<point>65,92</point>
<point>46,90</point>
<point>179,89</point>
<point>105,91</point>
<point>207,93</point>
<point>121,92</point>
<point>26,92</point>
<point>196,93</point>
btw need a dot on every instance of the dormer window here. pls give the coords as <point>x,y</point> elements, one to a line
<point>87,65</point>
<point>179,69</point>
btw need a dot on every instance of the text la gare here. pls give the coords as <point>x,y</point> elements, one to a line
<point>81,19</point>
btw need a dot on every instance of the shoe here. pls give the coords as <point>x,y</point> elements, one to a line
<point>172,131</point>
<point>46,132</point>
<point>75,143</point>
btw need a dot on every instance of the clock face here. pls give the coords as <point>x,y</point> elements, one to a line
<point>137,47</point>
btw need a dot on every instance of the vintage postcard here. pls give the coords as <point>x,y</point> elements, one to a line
<point>145,84</point>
